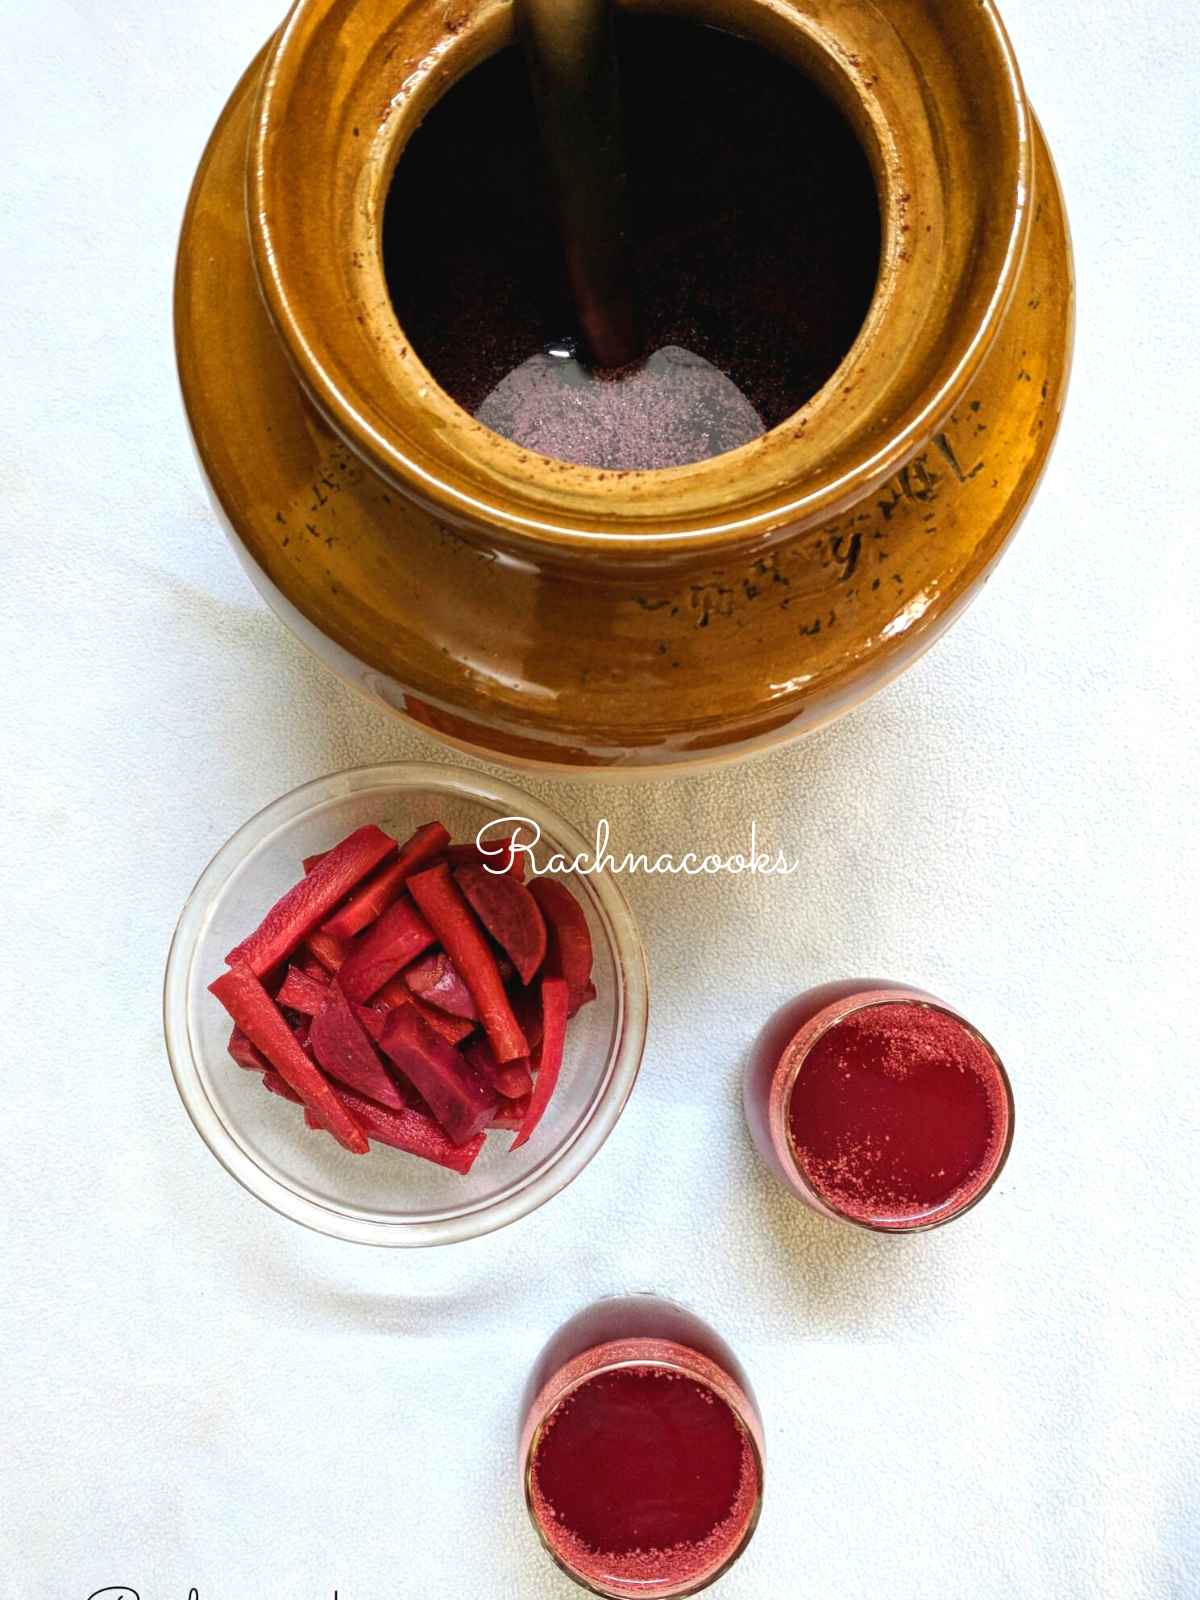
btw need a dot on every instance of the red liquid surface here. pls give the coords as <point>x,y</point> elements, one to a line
<point>643,1475</point>
<point>898,1114</point>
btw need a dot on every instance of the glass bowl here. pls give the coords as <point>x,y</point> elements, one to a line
<point>388,1197</point>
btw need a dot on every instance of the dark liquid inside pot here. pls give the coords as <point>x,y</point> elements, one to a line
<point>757,237</point>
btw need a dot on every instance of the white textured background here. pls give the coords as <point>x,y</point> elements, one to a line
<point>200,1393</point>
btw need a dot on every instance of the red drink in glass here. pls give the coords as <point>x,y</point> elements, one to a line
<point>641,1450</point>
<point>878,1105</point>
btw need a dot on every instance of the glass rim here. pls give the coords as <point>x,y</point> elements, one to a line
<point>471,1219</point>
<point>617,1355</point>
<point>791,1061</point>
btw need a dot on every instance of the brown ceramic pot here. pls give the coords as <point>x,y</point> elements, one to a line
<point>535,612</point>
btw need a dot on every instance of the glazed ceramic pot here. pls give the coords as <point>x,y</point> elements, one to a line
<point>534,612</point>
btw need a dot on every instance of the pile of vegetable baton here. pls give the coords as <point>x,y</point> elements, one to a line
<point>414,995</point>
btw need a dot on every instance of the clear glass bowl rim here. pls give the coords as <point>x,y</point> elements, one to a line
<point>561,1165</point>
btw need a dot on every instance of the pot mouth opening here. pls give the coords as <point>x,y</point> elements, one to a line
<point>332,270</point>
<point>756,235</point>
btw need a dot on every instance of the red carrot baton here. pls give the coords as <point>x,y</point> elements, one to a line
<point>306,903</point>
<point>261,1020</point>
<point>460,936</point>
<point>555,999</point>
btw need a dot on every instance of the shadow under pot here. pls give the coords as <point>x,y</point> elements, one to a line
<point>641,1450</point>
<point>903,342</point>
<point>879,1106</point>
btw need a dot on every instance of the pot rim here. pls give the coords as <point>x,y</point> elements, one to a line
<point>590,513</point>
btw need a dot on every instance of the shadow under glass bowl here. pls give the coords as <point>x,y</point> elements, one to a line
<point>388,1197</point>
